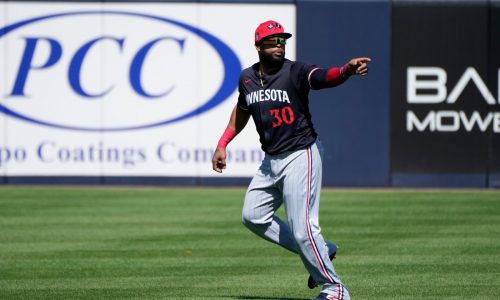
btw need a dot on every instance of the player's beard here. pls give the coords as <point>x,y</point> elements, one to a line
<point>270,60</point>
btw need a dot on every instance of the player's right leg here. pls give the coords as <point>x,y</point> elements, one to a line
<point>262,200</point>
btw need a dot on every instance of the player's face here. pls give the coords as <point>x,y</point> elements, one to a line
<point>272,50</point>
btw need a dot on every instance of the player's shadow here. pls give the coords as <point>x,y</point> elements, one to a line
<point>264,298</point>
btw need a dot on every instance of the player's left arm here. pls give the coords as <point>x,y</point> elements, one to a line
<point>357,66</point>
<point>324,78</point>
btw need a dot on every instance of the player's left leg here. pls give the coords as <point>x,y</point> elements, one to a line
<point>337,292</point>
<point>332,250</point>
<point>301,196</point>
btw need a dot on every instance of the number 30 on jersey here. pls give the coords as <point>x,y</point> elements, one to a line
<point>282,115</point>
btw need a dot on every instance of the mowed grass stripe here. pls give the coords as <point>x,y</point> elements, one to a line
<point>188,243</point>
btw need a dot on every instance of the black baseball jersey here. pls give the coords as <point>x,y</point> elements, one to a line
<point>279,104</point>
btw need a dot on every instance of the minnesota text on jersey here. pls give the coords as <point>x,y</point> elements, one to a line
<point>267,95</point>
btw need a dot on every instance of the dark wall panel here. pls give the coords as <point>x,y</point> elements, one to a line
<point>494,81</point>
<point>352,119</point>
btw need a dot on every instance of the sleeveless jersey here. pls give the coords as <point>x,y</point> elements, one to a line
<point>279,105</point>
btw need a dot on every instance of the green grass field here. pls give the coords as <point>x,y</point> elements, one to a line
<point>174,243</point>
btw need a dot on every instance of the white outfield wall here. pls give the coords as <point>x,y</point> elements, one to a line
<point>126,89</point>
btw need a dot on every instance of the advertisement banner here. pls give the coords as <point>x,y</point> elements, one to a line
<point>126,89</point>
<point>445,102</point>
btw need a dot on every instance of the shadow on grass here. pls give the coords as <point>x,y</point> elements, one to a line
<point>264,298</point>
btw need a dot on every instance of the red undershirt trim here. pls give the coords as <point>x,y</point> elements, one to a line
<point>335,76</point>
<point>226,137</point>
<point>327,77</point>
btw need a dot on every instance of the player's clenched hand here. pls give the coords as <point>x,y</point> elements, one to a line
<point>358,66</point>
<point>219,160</point>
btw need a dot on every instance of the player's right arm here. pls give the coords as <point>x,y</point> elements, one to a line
<point>237,121</point>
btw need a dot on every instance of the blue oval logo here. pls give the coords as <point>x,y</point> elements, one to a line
<point>230,69</point>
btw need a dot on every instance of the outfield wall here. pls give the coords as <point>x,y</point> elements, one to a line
<point>89,96</point>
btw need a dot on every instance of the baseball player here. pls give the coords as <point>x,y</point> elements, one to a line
<point>274,91</point>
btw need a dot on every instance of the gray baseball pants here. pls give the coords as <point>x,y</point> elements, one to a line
<point>293,179</point>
